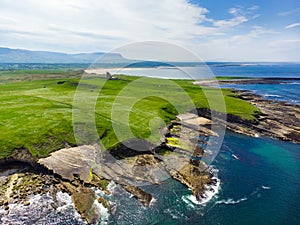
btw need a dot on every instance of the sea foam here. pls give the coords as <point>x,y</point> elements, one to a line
<point>231,201</point>
<point>211,191</point>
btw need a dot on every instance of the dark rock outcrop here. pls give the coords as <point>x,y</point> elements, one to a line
<point>276,119</point>
<point>83,199</point>
<point>144,197</point>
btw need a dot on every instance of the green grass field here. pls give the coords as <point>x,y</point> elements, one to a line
<point>36,108</point>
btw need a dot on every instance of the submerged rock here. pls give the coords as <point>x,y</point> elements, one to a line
<point>144,197</point>
<point>104,202</point>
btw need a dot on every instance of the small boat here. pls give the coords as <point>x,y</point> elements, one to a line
<point>234,156</point>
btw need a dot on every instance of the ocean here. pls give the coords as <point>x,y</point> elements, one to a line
<point>260,177</point>
<point>287,90</point>
<point>259,185</point>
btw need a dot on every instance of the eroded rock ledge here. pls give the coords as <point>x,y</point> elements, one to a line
<point>276,119</point>
<point>179,156</point>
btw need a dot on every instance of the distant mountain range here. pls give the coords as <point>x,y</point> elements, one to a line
<point>8,55</point>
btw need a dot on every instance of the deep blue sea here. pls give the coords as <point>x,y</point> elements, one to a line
<point>287,90</point>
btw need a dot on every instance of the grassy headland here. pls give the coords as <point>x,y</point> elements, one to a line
<point>36,108</point>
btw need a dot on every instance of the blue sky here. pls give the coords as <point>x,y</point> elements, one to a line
<point>229,30</point>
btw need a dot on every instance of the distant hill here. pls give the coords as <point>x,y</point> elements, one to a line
<point>8,55</point>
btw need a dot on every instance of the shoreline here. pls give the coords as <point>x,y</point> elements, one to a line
<point>269,122</point>
<point>276,119</point>
<point>246,80</point>
<point>200,181</point>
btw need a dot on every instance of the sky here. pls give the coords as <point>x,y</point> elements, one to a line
<point>215,30</point>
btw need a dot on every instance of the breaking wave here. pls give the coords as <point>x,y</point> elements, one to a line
<point>209,193</point>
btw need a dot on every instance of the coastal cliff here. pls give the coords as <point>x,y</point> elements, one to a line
<point>78,170</point>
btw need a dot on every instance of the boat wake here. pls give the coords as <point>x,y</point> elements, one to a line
<point>231,201</point>
<point>265,187</point>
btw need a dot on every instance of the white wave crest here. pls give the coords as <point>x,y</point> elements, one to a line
<point>111,186</point>
<point>211,190</point>
<point>102,211</point>
<point>230,201</point>
<point>272,95</point>
<point>235,156</point>
<point>265,187</point>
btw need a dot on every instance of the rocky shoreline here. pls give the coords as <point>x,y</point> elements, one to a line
<point>21,182</point>
<point>78,170</point>
<point>276,119</point>
<point>246,80</point>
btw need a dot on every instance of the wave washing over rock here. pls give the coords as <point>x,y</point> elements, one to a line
<point>76,187</point>
<point>210,191</point>
<point>43,209</point>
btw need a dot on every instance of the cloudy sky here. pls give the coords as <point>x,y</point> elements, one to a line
<point>229,30</point>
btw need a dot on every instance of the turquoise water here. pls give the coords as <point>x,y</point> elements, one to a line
<point>262,186</point>
<point>259,185</point>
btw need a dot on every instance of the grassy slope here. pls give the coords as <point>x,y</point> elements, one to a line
<point>36,114</point>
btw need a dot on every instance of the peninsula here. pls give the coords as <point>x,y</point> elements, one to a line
<point>39,154</point>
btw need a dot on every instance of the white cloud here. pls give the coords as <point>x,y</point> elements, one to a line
<point>255,7</point>
<point>122,20</point>
<point>240,16</point>
<point>292,25</point>
<point>290,12</point>
<point>253,45</point>
<point>93,25</point>
<point>230,23</point>
<point>255,32</point>
<point>67,22</point>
